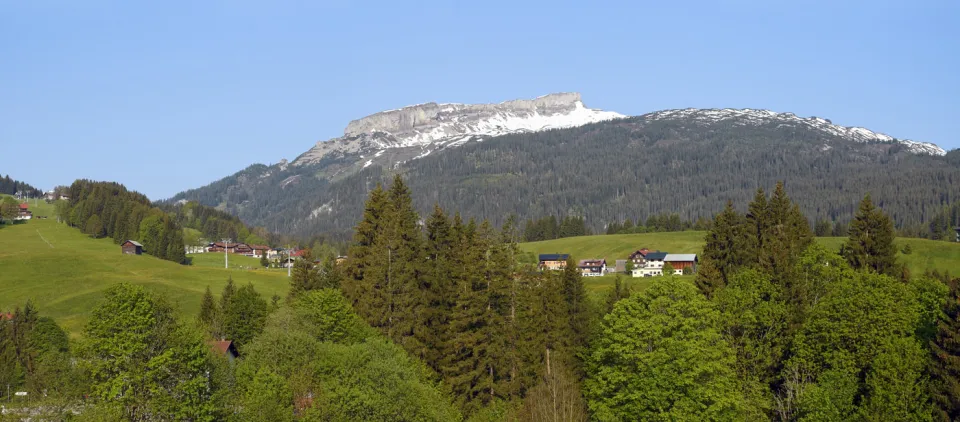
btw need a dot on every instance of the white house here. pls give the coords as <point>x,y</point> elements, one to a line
<point>652,265</point>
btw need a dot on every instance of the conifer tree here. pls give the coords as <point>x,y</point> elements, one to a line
<point>439,252</point>
<point>870,241</point>
<point>466,365</point>
<point>303,277</point>
<point>945,359</point>
<point>229,290</point>
<point>786,237</point>
<point>757,219</point>
<point>209,312</point>
<point>264,262</point>
<point>725,249</point>
<point>402,241</point>
<point>360,256</point>
<point>575,298</point>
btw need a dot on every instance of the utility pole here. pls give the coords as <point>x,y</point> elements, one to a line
<point>289,260</point>
<point>226,245</point>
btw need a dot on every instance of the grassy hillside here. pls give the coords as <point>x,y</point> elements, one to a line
<point>926,254</point>
<point>65,272</point>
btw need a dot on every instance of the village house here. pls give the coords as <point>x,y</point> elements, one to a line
<point>681,261</point>
<point>24,212</point>
<point>592,267</point>
<point>553,262</point>
<point>638,257</point>
<point>237,248</point>
<point>652,265</point>
<point>131,247</point>
<point>260,250</point>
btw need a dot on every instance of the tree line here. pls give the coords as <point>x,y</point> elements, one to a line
<point>549,228</point>
<point>666,222</point>
<point>11,186</point>
<point>106,209</point>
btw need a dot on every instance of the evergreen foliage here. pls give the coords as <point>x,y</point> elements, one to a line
<point>870,241</point>
<point>10,186</point>
<point>945,359</point>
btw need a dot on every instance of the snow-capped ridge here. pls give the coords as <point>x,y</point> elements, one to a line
<point>435,125</point>
<point>756,117</point>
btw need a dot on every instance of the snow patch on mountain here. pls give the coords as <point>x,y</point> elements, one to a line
<point>758,117</point>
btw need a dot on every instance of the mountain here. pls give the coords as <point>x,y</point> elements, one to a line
<point>554,156</point>
<point>417,131</point>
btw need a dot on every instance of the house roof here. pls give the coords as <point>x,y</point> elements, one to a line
<point>297,253</point>
<point>554,256</point>
<point>135,243</point>
<point>592,262</point>
<point>656,256</point>
<point>681,257</point>
<point>259,247</point>
<point>24,206</point>
<point>221,346</point>
<point>6,316</point>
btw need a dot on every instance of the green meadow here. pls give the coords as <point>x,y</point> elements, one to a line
<point>65,272</point>
<point>925,254</point>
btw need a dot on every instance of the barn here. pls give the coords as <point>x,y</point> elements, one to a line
<point>131,247</point>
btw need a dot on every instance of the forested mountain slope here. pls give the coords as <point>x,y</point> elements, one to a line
<point>686,161</point>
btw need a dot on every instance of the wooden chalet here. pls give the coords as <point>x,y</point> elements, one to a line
<point>639,256</point>
<point>553,262</point>
<point>131,247</point>
<point>592,267</point>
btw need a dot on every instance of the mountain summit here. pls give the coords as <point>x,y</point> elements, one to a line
<point>432,126</point>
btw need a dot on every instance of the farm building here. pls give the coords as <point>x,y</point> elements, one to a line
<point>681,261</point>
<point>553,262</point>
<point>131,247</point>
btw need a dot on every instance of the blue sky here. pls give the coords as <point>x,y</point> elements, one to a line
<point>173,95</point>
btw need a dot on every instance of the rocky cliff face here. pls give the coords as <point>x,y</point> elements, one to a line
<point>431,126</point>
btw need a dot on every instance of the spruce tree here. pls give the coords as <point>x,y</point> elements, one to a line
<point>229,290</point>
<point>209,312</point>
<point>575,297</point>
<point>786,237</point>
<point>439,287</point>
<point>757,220</point>
<point>870,242</point>
<point>725,250</point>
<point>360,256</point>
<point>945,359</point>
<point>402,240</point>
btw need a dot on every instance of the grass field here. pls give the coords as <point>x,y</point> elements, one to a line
<point>65,272</point>
<point>926,254</point>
